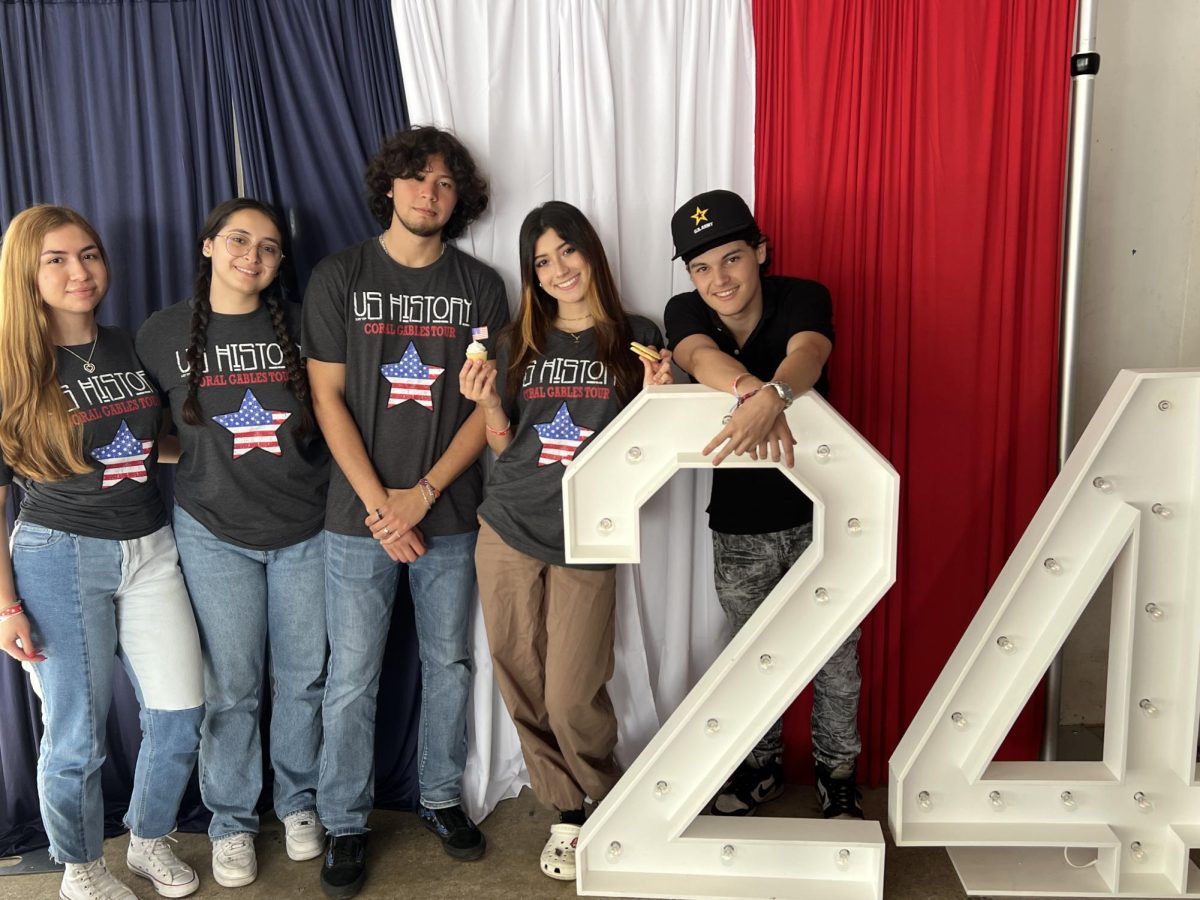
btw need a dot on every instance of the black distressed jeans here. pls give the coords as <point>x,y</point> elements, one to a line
<point>748,566</point>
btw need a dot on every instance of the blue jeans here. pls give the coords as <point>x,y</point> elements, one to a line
<point>360,590</point>
<point>90,600</point>
<point>247,601</point>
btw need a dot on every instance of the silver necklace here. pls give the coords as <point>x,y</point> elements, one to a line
<point>88,365</point>
<point>388,253</point>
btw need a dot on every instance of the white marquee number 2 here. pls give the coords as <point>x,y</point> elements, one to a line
<point>1122,827</point>
<point>647,839</point>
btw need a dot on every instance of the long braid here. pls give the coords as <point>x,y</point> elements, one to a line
<point>198,341</point>
<point>297,377</point>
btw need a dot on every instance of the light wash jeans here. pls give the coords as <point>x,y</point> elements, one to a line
<point>360,591</point>
<point>89,601</point>
<point>247,601</point>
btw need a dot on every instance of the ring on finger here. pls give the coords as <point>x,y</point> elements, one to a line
<point>387,530</point>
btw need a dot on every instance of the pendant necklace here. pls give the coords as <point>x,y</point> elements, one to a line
<point>88,365</point>
<point>574,334</point>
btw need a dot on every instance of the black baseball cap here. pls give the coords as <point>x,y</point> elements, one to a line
<point>708,220</point>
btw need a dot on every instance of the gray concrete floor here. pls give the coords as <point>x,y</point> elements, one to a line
<point>406,861</point>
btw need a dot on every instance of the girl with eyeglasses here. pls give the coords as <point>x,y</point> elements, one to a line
<point>564,370</point>
<point>249,512</point>
<point>93,575</point>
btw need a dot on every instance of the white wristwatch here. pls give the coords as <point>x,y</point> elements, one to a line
<point>784,391</point>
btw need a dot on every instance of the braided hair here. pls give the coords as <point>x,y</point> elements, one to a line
<point>272,297</point>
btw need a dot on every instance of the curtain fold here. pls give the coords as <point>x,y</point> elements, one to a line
<point>316,89</point>
<point>911,156</point>
<point>626,110</point>
<point>113,109</point>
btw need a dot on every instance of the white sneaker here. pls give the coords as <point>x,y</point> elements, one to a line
<point>92,881</point>
<point>154,859</point>
<point>233,860</point>
<point>558,856</point>
<point>303,835</point>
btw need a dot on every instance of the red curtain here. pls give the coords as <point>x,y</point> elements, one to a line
<point>910,155</point>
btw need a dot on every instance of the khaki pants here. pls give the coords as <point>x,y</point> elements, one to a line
<point>551,634</point>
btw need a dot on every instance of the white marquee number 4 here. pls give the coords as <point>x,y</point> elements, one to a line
<point>1122,827</point>
<point>647,839</point>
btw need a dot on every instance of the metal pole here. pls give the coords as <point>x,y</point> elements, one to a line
<point>1085,63</point>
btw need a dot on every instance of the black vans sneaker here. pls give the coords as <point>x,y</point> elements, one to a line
<point>345,865</point>
<point>838,792</point>
<point>747,788</point>
<point>461,838</point>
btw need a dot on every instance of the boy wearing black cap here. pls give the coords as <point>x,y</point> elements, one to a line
<point>765,339</point>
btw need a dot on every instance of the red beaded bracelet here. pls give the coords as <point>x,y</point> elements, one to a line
<point>15,610</point>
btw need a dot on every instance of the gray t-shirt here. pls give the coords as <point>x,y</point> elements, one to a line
<point>566,396</point>
<point>121,414</point>
<point>402,334</point>
<point>244,474</point>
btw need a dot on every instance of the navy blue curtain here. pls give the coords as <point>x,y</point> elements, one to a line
<point>115,109</point>
<point>133,112</point>
<point>316,89</point>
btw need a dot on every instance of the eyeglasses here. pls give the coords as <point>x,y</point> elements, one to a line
<point>269,253</point>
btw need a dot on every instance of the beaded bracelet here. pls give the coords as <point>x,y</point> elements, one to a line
<point>502,432</point>
<point>15,610</point>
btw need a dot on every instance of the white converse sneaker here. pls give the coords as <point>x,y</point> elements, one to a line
<point>233,861</point>
<point>303,835</point>
<point>154,859</point>
<point>92,881</point>
<point>558,856</point>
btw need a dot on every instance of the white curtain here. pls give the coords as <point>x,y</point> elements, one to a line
<point>625,109</point>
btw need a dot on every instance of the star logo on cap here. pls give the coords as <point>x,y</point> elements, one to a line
<point>700,215</point>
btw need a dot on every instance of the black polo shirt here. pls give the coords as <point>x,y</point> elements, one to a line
<point>757,501</point>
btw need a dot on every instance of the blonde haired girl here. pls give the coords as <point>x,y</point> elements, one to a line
<point>92,573</point>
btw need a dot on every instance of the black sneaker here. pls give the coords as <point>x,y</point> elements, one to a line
<point>460,836</point>
<point>747,788</point>
<point>345,865</point>
<point>838,792</point>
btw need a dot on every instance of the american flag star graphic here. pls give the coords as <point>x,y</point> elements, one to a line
<point>560,438</point>
<point>124,458</point>
<point>411,379</point>
<point>254,427</point>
